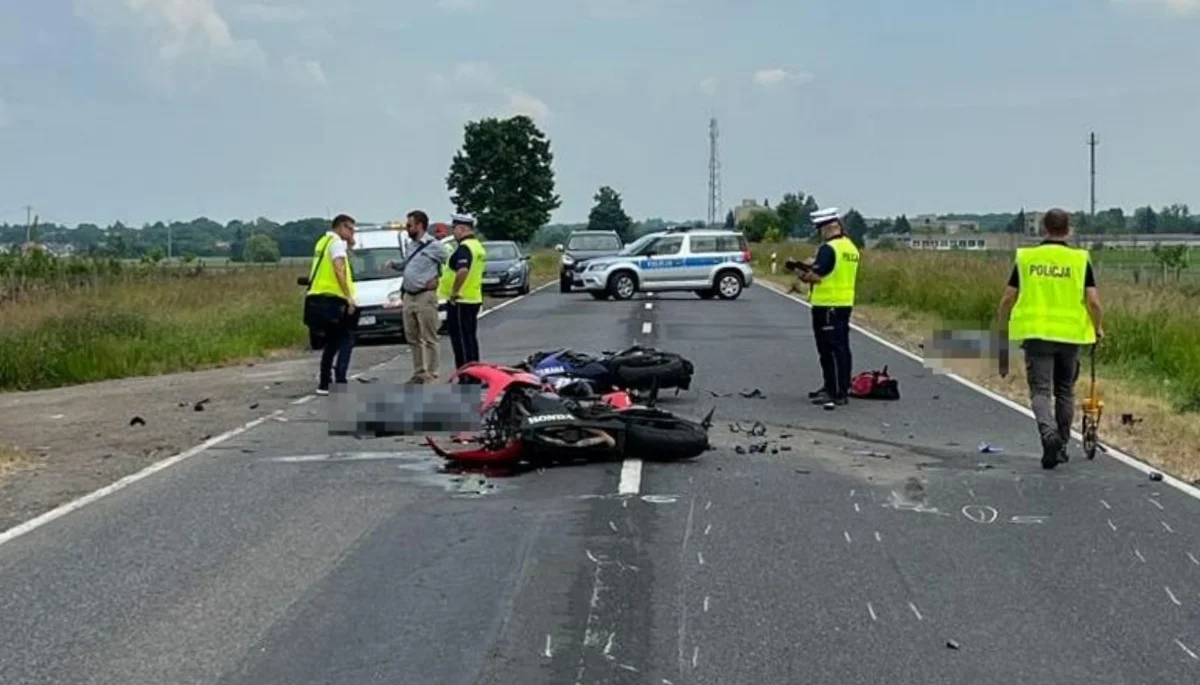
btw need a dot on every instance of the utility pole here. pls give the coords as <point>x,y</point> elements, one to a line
<point>28,223</point>
<point>1092,142</point>
<point>714,173</point>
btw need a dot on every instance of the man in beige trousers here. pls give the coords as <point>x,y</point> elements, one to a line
<point>421,269</point>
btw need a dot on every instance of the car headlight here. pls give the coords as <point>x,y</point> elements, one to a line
<point>567,260</point>
<point>393,299</point>
<point>514,269</point>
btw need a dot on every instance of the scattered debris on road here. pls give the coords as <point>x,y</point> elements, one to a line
<point>137,421</point>
<point>754,394</point>
<point>199,406</point>
<point>951,644</point>
<point>872,453</point>
<point>989,449</point>
<point>1155,476</point>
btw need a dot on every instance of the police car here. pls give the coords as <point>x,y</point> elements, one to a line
<point>707,261</point>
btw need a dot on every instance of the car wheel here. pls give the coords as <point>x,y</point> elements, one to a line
<point>524,289</point>
<point>622,285</point>
<point>564,284</point>
<point>706,294</point>
<point>729,285</point>
<point>598,295</point>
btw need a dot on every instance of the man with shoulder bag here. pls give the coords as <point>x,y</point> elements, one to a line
<point>422,268</point>
<point>329,308</point>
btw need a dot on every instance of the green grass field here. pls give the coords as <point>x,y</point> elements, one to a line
<point>69,329</point>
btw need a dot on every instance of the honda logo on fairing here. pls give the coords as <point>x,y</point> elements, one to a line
<point>550,417</point>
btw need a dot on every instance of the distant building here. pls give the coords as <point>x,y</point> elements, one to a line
<point>746,210</point>
<point>931,223</point>
<point>973,240</point>
<point>1033,224</point>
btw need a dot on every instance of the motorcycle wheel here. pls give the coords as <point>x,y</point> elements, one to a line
<point>640,372</point>
<point>656,435</point>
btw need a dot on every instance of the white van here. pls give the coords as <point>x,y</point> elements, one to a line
<point>377,286</point>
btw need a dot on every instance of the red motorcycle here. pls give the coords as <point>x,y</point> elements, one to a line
<point>525,420</point>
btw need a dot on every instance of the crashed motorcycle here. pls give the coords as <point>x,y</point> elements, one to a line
<point>637,370</point>
<point>525,420</point>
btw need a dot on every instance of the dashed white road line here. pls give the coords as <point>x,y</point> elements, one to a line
<point>878,538</point>
<point>1188,651</point>
<point>1155,503</point>
<point>1172,596</point>
<point>1169,529</point>
<point>631,477</point>
<point>916,611</point>
<point>857,508</point>
<point>546,652</point>
<point>647,327</point>
<point>706,602</point>
<point>1112,525</point>
<point>302,400</point>
<point>1106,505</point>
<point>872,610</point>
<point>1193,558</point>
<point>1139,555</point>
<point>847,534</point>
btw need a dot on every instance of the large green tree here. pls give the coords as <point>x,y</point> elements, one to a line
<point>795,213</point>
<point>503,175</point>
<point>856,226</point>
<point>609,215</point>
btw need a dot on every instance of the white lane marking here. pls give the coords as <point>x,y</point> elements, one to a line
<point>646,327</point>
<point>613,526</point>
<point>1155,503</point>
<point>708,529</point>
<point>708,506</point>
<point>627,667</point>
<point>852,493</point>
<point>1111,451</point>
<point>1189,652</point>
<point>631,477</point>
<point>1193,558</point>
<point>1106,505</point>
<point>700,557</point>
<point>1112,525</point>
<point>706,599</point>
<point>847,534</point>
<point>695,655</point>
<point>649,305</point>
<point>63,510</point>
<point>872,610</point>
<point>302,400</point>
<point>1139,554</point>
<point>971,493</point>
<point>856,507</point>
<point>915,611</point>
<point>1172,596</point>
<point>546,652</point>
<point>1164,525</point>
<point>609,645</point>
<point>32,524</point>
<point>877,537</point>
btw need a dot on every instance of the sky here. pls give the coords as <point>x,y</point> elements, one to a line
<point>148,110</point>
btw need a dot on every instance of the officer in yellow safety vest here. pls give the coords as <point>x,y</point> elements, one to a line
<point>465,296</point>
<point>1052,307</point>
<point>329,307</point>
<point>833,274</point>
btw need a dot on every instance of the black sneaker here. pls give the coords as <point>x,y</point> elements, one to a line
<point>819,392</point>
<point>835,402</point>
<point>821,398</point>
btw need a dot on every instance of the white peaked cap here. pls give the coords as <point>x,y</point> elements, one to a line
<point>824,216</point>
<point>462,219</point>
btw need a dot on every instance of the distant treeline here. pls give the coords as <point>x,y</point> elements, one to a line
<point>206,238</point>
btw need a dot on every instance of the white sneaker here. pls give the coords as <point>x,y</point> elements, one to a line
<point>322,391</point>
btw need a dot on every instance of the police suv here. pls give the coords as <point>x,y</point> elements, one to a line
<point>711,262</point>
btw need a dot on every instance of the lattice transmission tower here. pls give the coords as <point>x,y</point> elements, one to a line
<point>714,174</point>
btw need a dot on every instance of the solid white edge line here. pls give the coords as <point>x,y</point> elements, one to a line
<point>1111,451</point>
<point>62,510</point>
<point>631,477</point>
<point>646,327</point>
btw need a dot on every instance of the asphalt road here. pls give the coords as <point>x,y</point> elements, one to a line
<point>852,556</point>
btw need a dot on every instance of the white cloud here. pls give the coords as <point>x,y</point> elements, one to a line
<point>256,11</point>
<point>768,78</point>
<point>709,85</point>
<point>1175,6</point>
<point>305,71</point>
<point>472,89</point>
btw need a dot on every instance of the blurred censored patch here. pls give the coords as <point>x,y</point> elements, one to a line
<point>986,348</point>
<point>381,409</point>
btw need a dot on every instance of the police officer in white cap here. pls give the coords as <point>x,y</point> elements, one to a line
<point>466,290</point>
<point>833,274</point>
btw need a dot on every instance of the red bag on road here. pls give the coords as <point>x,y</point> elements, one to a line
<point>875,385</point>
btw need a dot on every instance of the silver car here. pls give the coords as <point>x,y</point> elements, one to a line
<point>710,262</point>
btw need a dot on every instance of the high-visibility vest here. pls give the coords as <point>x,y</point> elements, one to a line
<point>472,288</point>
<point>836,289</point>
<point>446,279</point>
<point>1051,300</point>
<point>321,275</point>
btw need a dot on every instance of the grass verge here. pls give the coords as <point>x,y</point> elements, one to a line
<point>174,323</point>
<point>11,459</point>
<point>1149,365</point>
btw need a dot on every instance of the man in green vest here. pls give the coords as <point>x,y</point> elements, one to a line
<point>833,275</point>
<point>466,290</point>
<point>329,306</point>
<point>1052,307</point>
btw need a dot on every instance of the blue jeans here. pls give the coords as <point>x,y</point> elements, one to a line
<point>335,336</point>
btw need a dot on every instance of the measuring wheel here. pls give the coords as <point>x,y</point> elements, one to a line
<point>1093,406</point>
<point>1090,442</point>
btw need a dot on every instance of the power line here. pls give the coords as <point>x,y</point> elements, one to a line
<point>714,173</point>
<point>1092,143</point>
